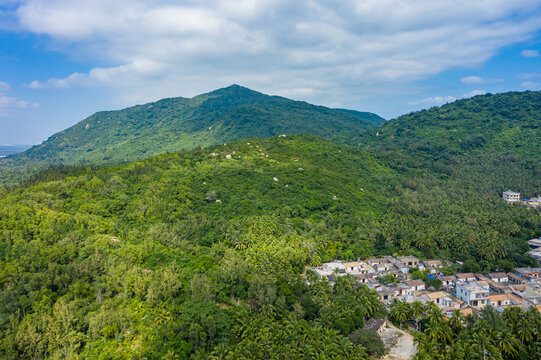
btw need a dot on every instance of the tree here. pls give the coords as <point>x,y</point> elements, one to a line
<point>202,288</point>
<point>417,311</point>
<point>456,320</point>
<point>370,340</point>
<point>400,311</point>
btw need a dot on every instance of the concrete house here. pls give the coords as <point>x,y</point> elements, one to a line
<point>383,267</point>
<point>536,254</point>
<point>499,277</point>
<point>432,264</point>
<point>465,277</point>
<point>443,300</point>
<point>410,261</point>
<point>515,279</point>
<point>473,293</point>
<point>377,325</point>
<point>416,285</point>
<point>500,300</point>
<point>364,278</point>
<point>358,267</point>
<point>531,302</point>
<point>511,196</point>
<point>528,273</point>
<point>448,280</point>
<point>535,243</point>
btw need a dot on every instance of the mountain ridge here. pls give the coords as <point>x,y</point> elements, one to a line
<point>173,124</point>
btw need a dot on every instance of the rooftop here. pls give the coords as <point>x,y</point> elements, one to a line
<point>437,295</point>
<point>409,258</point>
<point>447,278</point>
<point>475,286</point>
<point>535,242</point>
<point>466,311</point>
<point>536,300</point>
<point>514,298</point>
<point>374,324</point>
<point>528,270</point>
<point>501,297</point>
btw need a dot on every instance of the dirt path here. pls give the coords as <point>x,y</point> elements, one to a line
<point>400,342</point>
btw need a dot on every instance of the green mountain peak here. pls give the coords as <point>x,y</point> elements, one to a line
<point>174,124</point>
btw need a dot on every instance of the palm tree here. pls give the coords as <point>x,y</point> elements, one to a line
<point>512,316</point>
<point>433,331</point>
<point>507,343</point>
<point>456,320</point>
<point>525,332</point>
<point>434,313</point>
<point>400,311</point>
<point>417,311</point>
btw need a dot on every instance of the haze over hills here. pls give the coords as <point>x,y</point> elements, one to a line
<point>7,150</point>
<point>175,124</point>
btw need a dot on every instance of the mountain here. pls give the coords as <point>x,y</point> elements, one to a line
<point>175,124</point>
<point>503,124</point>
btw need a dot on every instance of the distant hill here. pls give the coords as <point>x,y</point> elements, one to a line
<point>7,150</point>
<point>503,124</point>
<point>175,124</point>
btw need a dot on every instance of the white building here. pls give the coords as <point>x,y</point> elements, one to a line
<point>473,293</point>
<point>499,277</point>
<point>511,196</point>
<point>499,300</point>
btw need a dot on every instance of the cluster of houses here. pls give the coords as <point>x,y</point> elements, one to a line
<point>535,244</point>
<point>511,197</point>
<point>467,292</point>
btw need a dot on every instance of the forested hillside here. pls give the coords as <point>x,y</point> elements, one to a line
<point>201,253</point>
<point>505,124</point>
<point>175,124</point>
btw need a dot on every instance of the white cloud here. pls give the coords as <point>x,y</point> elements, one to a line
<point>440,100</point>
<point>165,48</point>
<point>473,93</point>
<point>9,103</point>
<point>4,86</point>
<point>531,85</point>
<point>104,76</point>
<point>529,76</point>
<point>472,80</point>
<point>434,101</point>
<point>530,53</point>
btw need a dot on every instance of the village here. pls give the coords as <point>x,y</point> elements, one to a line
<point>393,278</point>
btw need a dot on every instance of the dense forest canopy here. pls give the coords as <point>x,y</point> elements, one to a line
<point>202,253</point>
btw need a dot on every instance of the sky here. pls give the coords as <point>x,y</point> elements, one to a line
<point>62,60</point>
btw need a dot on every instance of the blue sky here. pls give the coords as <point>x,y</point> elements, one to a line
<point>62,60</point>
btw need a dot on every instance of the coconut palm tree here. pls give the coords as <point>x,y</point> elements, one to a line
<point>400,311</point>
<point>525,332</point>
<point>456,320</point>
<point>507,343</point>
<point>417,311</point>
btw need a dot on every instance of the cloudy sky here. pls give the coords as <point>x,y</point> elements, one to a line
<point>62,60</point>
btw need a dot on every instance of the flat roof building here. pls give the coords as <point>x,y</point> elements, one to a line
<point>473,293</point>
<point>511,196</point>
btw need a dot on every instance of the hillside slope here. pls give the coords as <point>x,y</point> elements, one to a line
<point>502,124</point>
<point>175,124</point>
<point>200,254</point>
